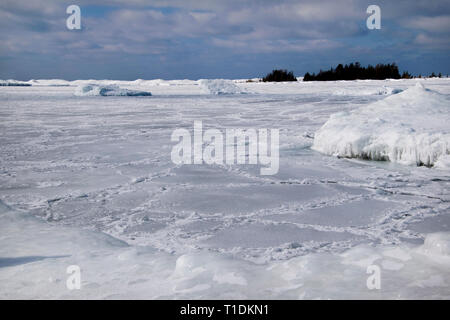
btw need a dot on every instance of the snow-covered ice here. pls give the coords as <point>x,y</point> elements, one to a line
<point>411,127</point>
<point>89,181</point>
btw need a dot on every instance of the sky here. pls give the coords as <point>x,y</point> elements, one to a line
<point>194,39</point>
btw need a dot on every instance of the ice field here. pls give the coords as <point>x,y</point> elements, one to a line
<point>87,179</point>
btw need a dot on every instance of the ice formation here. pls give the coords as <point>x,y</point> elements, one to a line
<point>110,90</point>
<point>13,83</point>
<point>220,86</point>
<point>411,128</point>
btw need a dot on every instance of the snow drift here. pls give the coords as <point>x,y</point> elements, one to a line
<point>411,127</point>
<point>110,90</point>
<point>220,86</point>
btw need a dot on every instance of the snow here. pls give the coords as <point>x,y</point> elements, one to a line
<point>50,82</point>
<point>35,256</point>
<point>443,162</point>
<point>438,245</point>
<point>409,128</point>
<point>88,181</point>
<point>219,86</point>
<point>111,90</point>
<point>384,90</point>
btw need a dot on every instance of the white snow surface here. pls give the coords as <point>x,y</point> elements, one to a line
<point>384,90</point>
<point>410,128</point>
<point>88,181</point>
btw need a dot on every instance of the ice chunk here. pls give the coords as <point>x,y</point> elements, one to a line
<point>411,127</point>
<point>13,83</point>
<point>110,90</point>
<point>437,244</point>
<point>220,86</point>
<point>50,82</point>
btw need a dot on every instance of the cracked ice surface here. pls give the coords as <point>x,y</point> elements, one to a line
<point>103,164</point>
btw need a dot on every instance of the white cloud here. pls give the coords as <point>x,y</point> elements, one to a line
<point>438,24</point>
<point>432,41</point>
<point>169,29</point>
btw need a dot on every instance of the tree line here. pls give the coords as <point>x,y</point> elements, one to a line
<point>352,71</point>
<point>355,71</point>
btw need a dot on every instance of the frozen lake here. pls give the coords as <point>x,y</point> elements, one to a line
<point>103,164</point>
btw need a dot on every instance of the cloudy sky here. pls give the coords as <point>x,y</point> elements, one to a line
<point>194,39</point>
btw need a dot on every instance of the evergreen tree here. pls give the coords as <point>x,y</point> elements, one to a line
<point>355,71</point>
<point>279,75</point>
<point>406,75</point>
